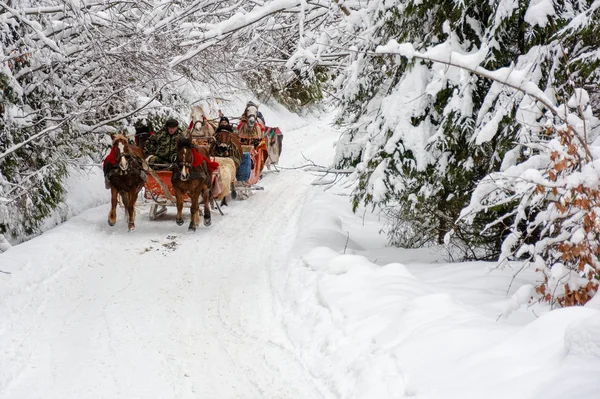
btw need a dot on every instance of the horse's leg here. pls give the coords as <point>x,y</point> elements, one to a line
<point>179,200</point>
<point>205,197</point>
<point>233,191</point>
<point>112,214</point>
<point>125,203</point>
<point>132,198</point>
<point>195,210</point>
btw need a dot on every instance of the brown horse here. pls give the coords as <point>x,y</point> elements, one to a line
<point>193,181</point>
<point>126,178</point>
<point>226,145</point>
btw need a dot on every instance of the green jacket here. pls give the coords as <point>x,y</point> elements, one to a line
<point>163,145</point>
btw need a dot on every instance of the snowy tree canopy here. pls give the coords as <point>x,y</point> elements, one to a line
<point>74,70</point>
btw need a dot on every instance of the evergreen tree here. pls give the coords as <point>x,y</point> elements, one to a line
<point>424,134</point>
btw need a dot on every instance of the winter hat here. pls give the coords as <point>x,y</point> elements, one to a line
<point>172,123</point>
<point>140,130</point>
<point>224,118</point>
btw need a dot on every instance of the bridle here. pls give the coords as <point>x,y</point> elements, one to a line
<point>251,115</point>
<point>222,147</point>
<point>124,157</point>
<point>184,165</point>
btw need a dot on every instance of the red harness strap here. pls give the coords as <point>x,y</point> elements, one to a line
<point>110,158</point>
<point>198,158</point>
<point>244,122</point>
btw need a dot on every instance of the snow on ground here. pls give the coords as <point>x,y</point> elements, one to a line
<point>289,295</point>
<point>92,311</point>
<point>380,322</point>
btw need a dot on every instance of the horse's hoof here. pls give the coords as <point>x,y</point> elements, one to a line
<point>179,222</point>
<point>111,223</point>
<point>233,194</point>
<point>192,227</point>
<point>207,222</point>
<point>131,228</point>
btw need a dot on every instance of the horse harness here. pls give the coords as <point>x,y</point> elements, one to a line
<point>135,167</point>
<point>224,150</point>
<point>199,172</point>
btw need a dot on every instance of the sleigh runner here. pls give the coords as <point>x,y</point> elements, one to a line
<point>159,188</point>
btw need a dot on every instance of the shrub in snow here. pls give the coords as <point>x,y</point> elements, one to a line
<point>556,223</point>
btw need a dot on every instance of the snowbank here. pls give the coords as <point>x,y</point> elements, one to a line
<point>84,190</point>
<point>391,330</point>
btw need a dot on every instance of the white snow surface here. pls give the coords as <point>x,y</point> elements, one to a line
<point>289,295</point>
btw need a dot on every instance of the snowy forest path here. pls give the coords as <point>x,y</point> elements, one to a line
<point>161,313</point>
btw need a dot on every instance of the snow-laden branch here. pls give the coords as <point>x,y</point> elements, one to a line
<point>33,25</point>
<point>507,76</point>
<point>204,35</point>
<point>61,8</point>
<point>122,116</point>
<point>35,137</point>
<point>230,25</point>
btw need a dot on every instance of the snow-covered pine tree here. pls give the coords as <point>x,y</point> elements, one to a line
<point>416,120</point>
<point>31,175</point>
<point>553,184</point>
<point>423,134</point>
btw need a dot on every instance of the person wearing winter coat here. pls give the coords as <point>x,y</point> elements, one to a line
<point>162,146</point>
<point>224,122</point>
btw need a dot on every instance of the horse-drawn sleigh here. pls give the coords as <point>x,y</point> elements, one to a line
<point>208,166</point>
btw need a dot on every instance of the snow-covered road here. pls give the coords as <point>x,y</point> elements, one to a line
<point>91,311</point>
<point>288,296</point>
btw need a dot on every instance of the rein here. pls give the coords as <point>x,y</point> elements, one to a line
<point>133,163</point>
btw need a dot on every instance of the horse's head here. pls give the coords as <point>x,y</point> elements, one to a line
<point>121,150</point>
<point>223,137</point>
<point>251,115</point>
<point>202,127</point>
<point>185,158</point>
<point>197,127</point>
<point>197,113</point>
<point>223,144</point>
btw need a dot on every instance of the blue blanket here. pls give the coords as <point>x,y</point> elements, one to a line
<point>243,172</point>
